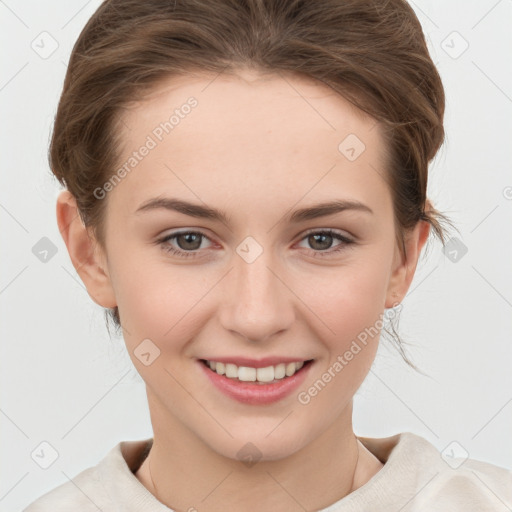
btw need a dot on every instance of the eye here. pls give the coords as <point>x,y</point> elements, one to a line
<point>189,242</point>
<point>321,241</point>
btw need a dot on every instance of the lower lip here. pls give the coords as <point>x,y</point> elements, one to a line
<point>254,393</point>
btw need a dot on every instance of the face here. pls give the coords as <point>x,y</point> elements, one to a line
<point>253,273</point>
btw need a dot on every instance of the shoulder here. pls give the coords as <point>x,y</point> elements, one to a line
<point>81,494</point>
<point>418,476</point>
<point>111,484</point>
<point>476,484</point>
<point>459,483</point>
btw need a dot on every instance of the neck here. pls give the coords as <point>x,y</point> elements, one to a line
<point>185,474</point>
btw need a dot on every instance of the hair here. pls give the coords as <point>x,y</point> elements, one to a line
<point>372,52</point>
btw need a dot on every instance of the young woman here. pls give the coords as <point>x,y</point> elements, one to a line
<point>245,192</point>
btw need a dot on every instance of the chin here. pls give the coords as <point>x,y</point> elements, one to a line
<point>253,446</point>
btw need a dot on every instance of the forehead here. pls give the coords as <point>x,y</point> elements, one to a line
<point>250,97</point>
<point>247,133</point>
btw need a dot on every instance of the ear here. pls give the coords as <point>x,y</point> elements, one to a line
<point>405,265</point>
<point>86,254</point>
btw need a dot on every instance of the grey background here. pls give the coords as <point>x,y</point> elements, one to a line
<point>66,383</point>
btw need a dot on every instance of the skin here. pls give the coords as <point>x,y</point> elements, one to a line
<point>257,147</point>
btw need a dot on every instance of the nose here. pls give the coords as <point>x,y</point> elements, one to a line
<point>257,301</point>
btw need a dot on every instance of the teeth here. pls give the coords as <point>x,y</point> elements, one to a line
<point>279,371</point>
<point>232,371</point>
<point>290,369</point>
<point>265,374</point>
<point>249,374</point>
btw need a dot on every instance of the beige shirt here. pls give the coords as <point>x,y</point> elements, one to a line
<point>415,477</point>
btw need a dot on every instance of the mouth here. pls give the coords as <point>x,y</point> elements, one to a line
<point>267,375</point>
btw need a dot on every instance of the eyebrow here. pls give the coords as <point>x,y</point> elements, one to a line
<point>205,212</point>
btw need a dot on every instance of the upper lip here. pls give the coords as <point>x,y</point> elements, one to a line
<point>256,363</point>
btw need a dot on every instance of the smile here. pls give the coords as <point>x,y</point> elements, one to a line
<point>267,374</point>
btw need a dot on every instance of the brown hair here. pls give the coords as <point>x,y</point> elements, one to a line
<point>372,52</point>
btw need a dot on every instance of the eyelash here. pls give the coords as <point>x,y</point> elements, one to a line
<point>321,254</point>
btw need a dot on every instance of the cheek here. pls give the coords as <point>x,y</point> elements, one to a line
<point>347,299</point>
<point>350,307</point>
<point>157,301</point>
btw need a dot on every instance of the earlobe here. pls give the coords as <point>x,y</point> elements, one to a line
<point>404,270</point>
<point>84,251</point>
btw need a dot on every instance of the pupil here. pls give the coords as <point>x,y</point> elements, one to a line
<point>189,238</point>
<point>322,236</point>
